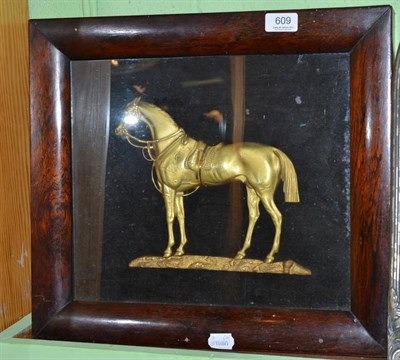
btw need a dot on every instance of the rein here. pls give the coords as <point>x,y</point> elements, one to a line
<point>149,144</point>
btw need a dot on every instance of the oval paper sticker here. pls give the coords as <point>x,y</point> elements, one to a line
<point>221,341</point>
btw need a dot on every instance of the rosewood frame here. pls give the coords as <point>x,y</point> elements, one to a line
<point>364,33</point>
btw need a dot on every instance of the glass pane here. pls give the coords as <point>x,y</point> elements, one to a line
<point>296,103</point>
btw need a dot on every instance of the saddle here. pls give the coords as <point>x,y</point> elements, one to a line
<point>196,156</point>
<point>200,158</point>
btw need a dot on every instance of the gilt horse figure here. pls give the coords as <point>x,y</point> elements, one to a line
<point>183,164</point>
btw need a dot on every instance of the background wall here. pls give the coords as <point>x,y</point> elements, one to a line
<point>15,286</point>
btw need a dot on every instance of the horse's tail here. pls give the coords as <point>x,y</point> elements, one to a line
<point>289,177</point>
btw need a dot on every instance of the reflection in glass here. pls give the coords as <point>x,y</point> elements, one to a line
<point>299,104</point>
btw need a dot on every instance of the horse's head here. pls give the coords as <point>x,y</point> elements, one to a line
<point>131,117</point>
<point>158,121</point>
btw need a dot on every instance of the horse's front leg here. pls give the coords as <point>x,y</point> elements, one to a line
<point>169,199</point>
<point>180,213</point>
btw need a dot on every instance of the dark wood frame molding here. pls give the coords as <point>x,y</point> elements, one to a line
<point>364,33</point>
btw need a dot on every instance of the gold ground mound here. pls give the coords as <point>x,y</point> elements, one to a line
<point>220,264</point>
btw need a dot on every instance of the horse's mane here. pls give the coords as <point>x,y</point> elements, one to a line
<point>155,110</point>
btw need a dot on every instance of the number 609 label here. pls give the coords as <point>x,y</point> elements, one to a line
<point>281,22</point>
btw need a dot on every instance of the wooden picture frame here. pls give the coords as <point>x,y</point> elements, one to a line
<point>363,33</point>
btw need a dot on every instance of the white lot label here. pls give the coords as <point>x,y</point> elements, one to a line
<point>221,341</point>
<point>281,22</point>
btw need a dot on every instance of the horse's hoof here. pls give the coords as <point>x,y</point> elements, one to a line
<point>269,259</point>
<point>179,253</point>
<point>167,254</point>
<point>240,256</point>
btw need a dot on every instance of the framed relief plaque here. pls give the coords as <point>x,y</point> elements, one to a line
<point>213,181</point>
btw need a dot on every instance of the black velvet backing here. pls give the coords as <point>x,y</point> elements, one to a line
<point>298,103</point>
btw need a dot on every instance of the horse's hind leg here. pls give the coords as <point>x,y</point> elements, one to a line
<point>180,213</point>
<point>276,216</point>
<point>254,212</point>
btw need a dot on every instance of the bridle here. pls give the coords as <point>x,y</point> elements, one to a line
<point>148,144</point>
